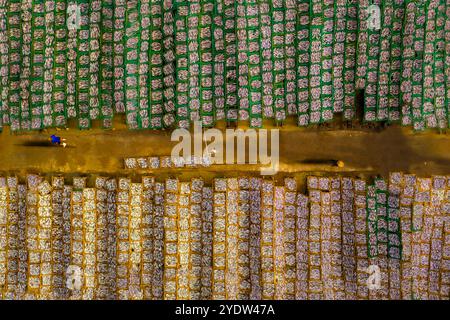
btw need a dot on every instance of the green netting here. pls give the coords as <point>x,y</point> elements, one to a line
<point>181,52</point>
<point>417,70</point>
<point>290,87</point>
<point>172,62</point>
<point>132,48</point>
<point>38,34</point>
<point>303,60</point>
<point>419,207</point>
<point>255,63</point>
<point>362,43</point>
<point>4,64</point>
<point>218,56</point>
<point>373,53</point>
<point>206,64</point>
<point>394,244</point>
<point>326,81</point>
<point>372,240</point>
<point>396,61</point>
<point>94,60</point>
<point>278,59</point>
<point>349,59</point>
<point>168,65</point>
<point>428,92</point>
<point>156,59</point>
<point>58,103</point>
<point>383,220</point>
<point>316,27</point>
<point>83,62</point>
<point>242,61</point>
<point>265,12</point>
<point>384,64</point>
<point>447,62</point>
<point>118,57</point>
<point>194,60</point>
<point>440,112</point>
<point>338,57</point>
<point>106,63</point>
<point>230,61</point>
<point>381,195</point>
<point>17,58</point>
<point>408,55</point>
<point>48,68</point>
<point>71,64</point>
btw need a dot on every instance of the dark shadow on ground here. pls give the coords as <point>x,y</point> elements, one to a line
<point>41,144</point>
<point>319,161</point>
<point>391,151</point>
<point>37,144</point>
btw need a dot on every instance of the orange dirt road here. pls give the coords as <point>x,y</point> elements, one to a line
<point>302,151</point>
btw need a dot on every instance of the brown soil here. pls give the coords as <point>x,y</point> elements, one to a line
<point>302,151</point>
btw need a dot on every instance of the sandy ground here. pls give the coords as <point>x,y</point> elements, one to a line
<point>302,151</point>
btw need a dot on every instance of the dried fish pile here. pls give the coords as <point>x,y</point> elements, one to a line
<point>166,162</point>
<point>168,63</point>
<point>239,238</point>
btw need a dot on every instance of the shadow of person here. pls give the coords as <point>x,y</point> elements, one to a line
<point>38,143</point>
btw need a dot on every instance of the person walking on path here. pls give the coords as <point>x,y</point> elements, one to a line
<point>57,141</point>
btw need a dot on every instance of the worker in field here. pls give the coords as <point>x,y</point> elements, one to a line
<point>57,141</point>
<point>340,163</point>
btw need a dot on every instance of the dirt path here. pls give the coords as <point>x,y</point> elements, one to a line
<point>301,151</point>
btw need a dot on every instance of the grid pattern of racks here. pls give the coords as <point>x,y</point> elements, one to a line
<point>238,238</point>
<point>166,63</point>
